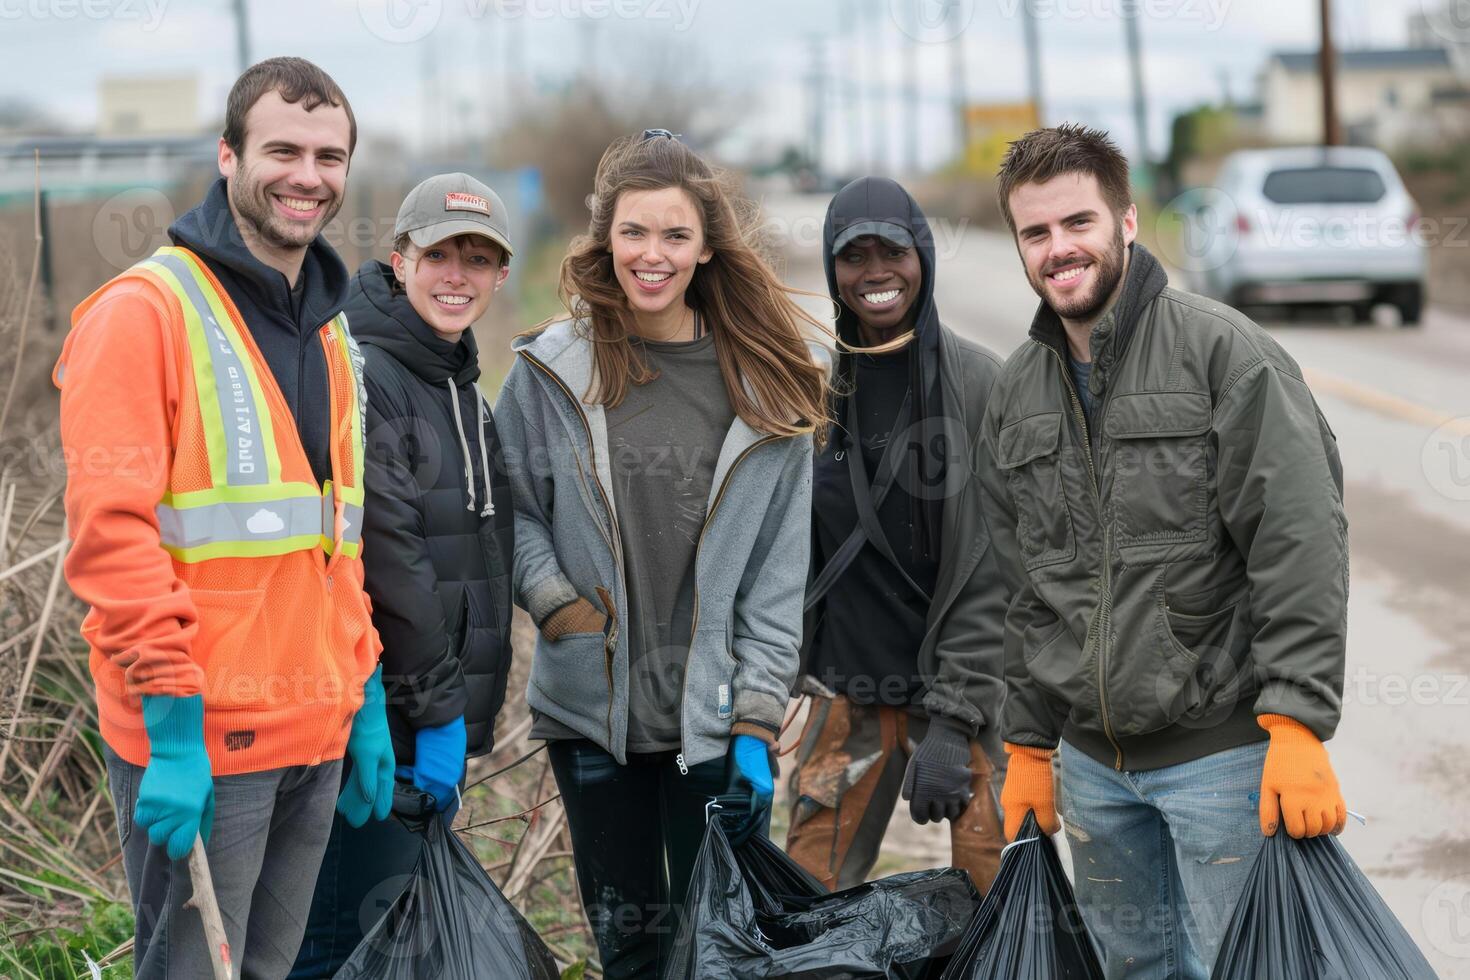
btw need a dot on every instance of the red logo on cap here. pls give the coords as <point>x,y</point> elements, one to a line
<point>460,201</point>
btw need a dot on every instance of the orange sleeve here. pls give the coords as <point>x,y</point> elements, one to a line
<point>119,398</point>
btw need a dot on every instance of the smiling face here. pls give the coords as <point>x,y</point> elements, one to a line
<point>657,241</point>
<point>1072,244</point>
<point>450,283</point>
<point>288,180</point>
<point>879,282</point>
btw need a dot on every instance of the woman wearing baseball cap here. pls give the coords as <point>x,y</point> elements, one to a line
<point>662,530</point>
<point>438,534</point>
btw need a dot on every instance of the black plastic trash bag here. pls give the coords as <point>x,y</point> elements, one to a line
<point>1308,913</point>
<point>450,922</point>
<point>1028,927</point>
<point>752,912</point>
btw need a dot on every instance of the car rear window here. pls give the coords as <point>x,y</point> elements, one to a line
<point>1323,185</point>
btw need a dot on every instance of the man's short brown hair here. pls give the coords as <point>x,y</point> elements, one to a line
<point>298,80</point>
<point>1043,154</point>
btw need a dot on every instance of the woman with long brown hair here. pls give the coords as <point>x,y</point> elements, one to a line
<point>660,444</point>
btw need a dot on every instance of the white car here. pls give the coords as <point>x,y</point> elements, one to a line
<point>1330,225</point>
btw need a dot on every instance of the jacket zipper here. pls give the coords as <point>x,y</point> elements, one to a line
<point>694,622</point>
<point>613,542</point>
<point>1105,600</point>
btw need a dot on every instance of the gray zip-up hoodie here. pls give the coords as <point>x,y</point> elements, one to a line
<point>750,564</point>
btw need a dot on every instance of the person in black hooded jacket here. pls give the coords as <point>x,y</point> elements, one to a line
<point>905,608</point>
<point>439,533</point>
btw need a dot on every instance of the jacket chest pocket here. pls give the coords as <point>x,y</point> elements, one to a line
<point>1029,452</point>
<point>1160,467</point>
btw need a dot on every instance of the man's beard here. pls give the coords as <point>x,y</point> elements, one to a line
<point>1109,267</point>
<point>253,204</point>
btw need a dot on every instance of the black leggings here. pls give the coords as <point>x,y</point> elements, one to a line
<point>636,830</point>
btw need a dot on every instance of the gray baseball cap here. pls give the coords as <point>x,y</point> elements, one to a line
<point>889,231</point>
<point>447,205</point>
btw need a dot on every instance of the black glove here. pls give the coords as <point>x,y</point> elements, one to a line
<point>937,783</point>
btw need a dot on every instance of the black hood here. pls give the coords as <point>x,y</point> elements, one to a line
<point>210,230</point>
<point>380,315</point>
<point>878,199</point>
<point>875,199</point>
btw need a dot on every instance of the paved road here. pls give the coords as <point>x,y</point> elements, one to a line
<point>1399,401</point>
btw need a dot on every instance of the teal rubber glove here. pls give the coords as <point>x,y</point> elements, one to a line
<point>176,795</point>
<point>369,789</point>
<point>753,763</point>
<point>438,761</point>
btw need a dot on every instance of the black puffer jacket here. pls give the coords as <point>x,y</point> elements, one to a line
<point>437,543</point>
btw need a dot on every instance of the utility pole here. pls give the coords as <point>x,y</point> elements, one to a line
<point>1131,14</point>
<point>851,96</point>
<point>1327,58</point>
<point>1033,59</point>
<point>816,82</point>
<point>911,105</point>
<point>959,86</point>
<point>242,36</point>
<point>877,82</point>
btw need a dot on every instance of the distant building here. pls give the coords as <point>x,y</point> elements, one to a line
<point>148,106</point>
<point>1385,98</point>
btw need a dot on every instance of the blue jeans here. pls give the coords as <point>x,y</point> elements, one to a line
<point>1159,857</point>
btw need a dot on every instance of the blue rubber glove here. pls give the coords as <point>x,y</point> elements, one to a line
<point>753,762</point>
<point>369,790</point>
<point>438,761</point>
<point>176,795</point>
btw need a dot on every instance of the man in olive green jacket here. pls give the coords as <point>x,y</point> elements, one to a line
<point>1165,500</point>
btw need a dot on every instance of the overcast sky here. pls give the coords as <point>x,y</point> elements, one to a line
<point>758,51</point>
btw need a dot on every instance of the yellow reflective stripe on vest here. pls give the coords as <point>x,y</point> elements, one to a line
<point>352,356</point>
<point>242,446</point>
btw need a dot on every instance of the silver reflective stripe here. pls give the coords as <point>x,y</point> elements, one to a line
<point>353,532</point>
<point>270,520</point>
<point>245,460</point>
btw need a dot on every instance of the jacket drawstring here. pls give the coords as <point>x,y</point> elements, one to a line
<point>464,444</point>
<point>489,509</point>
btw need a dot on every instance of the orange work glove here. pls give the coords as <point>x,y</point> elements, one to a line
<point>1029,786</point>
<point>1297,782</point>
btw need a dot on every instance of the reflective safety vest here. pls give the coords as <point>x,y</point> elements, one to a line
<point>248,508</point>
<point>274,626</point>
